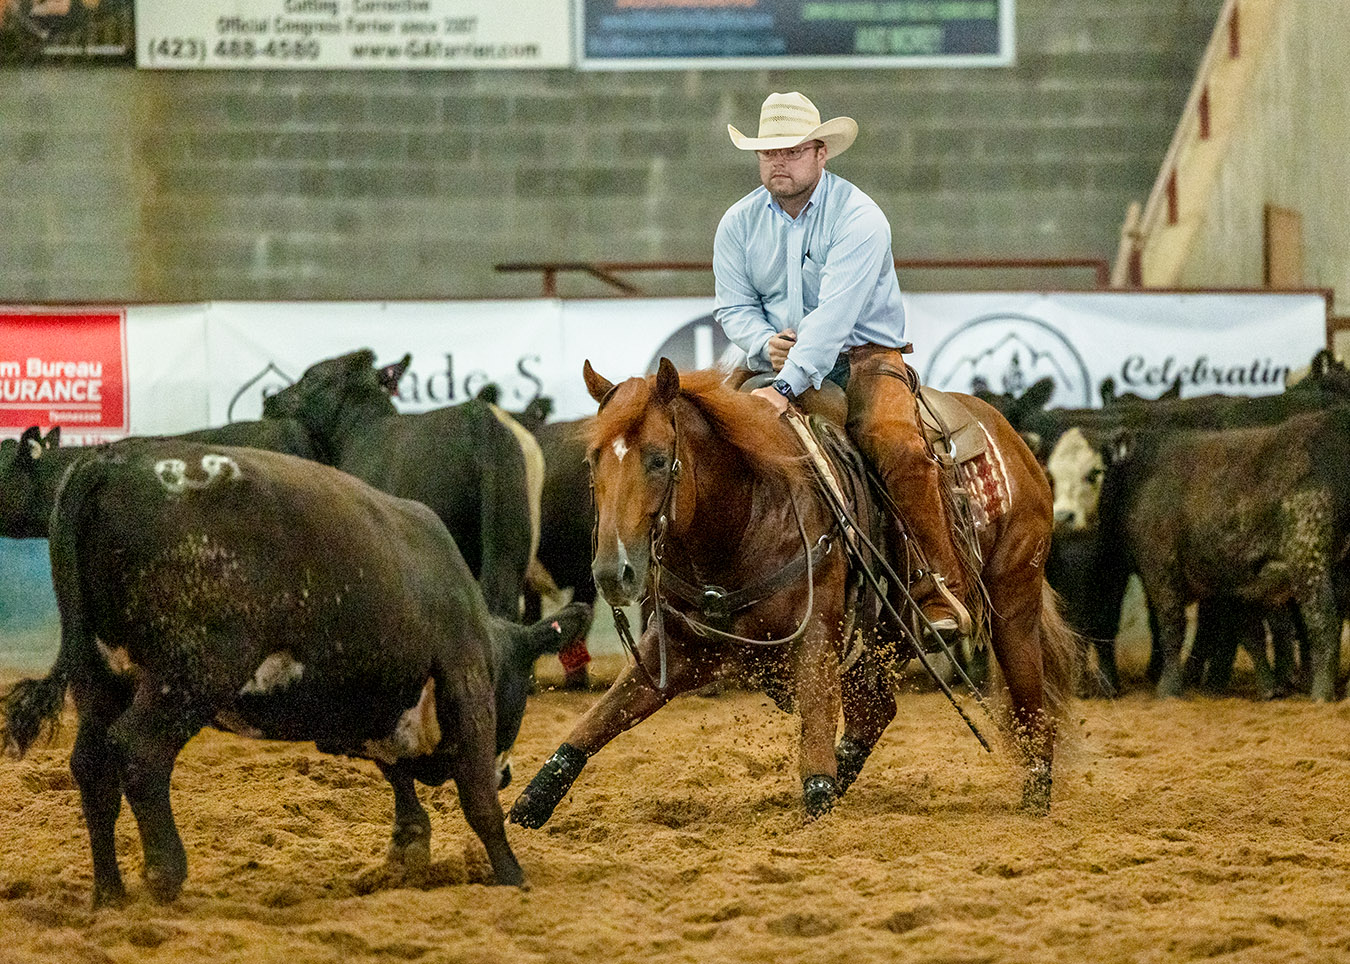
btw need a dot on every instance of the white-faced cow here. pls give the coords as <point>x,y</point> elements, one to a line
<point>460,461</point>
<point>279,598</point>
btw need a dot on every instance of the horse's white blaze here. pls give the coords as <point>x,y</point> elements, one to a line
<point>620,448</point>
<point>1076,468</point>
<point>276,672</point>
<point>417,733</point>
<point>172,473</point>
<point>118,660</point>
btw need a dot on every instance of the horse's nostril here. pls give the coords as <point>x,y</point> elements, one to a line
<point>628,577</point>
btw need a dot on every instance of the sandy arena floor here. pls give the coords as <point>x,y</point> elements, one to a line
<point>1188,830</point>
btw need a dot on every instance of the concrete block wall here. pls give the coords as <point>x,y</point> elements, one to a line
<point>126,185</point>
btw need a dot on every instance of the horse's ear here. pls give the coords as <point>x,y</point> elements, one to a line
<point>598,385</point>
<point>53,439</point>
<point>667,382</point>
<point>1108,391</point>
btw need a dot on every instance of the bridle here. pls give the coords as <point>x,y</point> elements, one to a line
<point>714,602</point>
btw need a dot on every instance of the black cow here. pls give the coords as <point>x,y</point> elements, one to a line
<point>1075,445</point>
<point>460,461</point>
<point>279,598</point>
<point>1259,515</point>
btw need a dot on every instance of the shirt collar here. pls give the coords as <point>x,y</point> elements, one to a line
<point>817,198</point>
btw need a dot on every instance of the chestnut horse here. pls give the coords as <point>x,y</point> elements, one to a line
<point>698,484</point>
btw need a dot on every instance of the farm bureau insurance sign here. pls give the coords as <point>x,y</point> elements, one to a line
<point>63,369</point>
<point>679,34</point>
<point>359,34</point>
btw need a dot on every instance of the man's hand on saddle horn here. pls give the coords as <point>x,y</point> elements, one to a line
<point>774,397</point>
<point>777,350</point>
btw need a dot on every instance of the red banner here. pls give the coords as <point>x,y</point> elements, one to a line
<point>64,369</point>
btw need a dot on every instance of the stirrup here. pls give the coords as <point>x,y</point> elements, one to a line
<point>959,612</point>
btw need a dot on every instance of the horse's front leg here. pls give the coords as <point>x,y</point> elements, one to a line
<point>624,705</point>
<point>815,673</point>
<point>869,707</point>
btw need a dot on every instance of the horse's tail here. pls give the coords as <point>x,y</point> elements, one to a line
<point>1059,656</point>
<point>33,707</point>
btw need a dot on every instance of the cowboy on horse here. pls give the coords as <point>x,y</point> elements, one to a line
<point>806,287</point>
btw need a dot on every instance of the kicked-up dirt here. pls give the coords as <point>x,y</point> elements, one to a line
<point>1196,829</point>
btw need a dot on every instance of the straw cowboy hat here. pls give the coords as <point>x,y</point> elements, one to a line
<point>787,120</point>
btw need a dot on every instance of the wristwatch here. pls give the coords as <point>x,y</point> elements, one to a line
<point>783,388</point>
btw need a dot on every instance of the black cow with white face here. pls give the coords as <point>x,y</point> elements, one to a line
<point>461,461</point>
<point>261,593</point>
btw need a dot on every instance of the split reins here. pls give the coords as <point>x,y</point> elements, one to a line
<point>716,603</point>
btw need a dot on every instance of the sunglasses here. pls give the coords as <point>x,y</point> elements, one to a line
<point>787,153</point>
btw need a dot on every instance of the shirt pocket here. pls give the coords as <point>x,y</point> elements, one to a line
<point>811,270</point>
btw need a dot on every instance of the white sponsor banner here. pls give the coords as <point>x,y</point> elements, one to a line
<point>189,366</point>
<point>1231,344</point>
<point>457,347</point>
<point>623,337</point>
<point>356,34</point>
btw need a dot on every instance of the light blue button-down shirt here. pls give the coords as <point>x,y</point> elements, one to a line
<point>829,274</point>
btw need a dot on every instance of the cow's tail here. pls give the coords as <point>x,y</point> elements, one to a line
<point>33,707</point>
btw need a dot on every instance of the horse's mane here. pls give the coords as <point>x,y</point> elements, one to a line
<point>739,419</point>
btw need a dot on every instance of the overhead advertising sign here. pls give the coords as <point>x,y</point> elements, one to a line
<point>63,369</point>
<point>712,34</point>
<point>353,34</point>
<point>36,32</point>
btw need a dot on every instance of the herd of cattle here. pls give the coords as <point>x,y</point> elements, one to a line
<point>372,603</point>
<point>1241,505</point>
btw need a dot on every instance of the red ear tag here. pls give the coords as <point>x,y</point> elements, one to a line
<point>556,627</point>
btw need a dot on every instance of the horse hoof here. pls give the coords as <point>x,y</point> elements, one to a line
<point>820,794</point>
<point>849,757</point>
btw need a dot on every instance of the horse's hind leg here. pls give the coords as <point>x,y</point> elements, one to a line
<point>629,701</point>
<point>1017,638</point>
<point>869,707</point>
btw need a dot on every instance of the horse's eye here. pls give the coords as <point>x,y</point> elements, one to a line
<point>656,462</point>
<point>1094,476</point>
